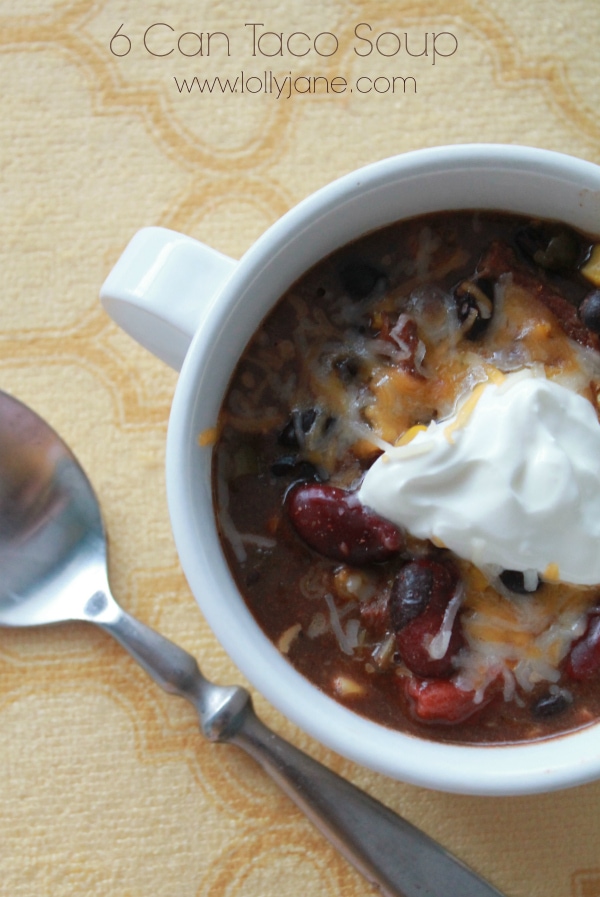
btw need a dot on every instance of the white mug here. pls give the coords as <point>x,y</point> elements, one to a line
<point>196,309</point>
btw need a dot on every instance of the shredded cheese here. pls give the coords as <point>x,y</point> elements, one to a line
<point>464,413</point>
<point>208,437</point>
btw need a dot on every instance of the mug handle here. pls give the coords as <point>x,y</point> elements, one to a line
<point>161,287</point>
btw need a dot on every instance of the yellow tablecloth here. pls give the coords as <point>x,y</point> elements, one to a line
<point>107,787</point>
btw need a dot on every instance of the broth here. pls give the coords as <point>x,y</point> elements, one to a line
<point>374,343</point>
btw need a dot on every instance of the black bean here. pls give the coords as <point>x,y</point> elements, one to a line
<point>475,303</point>
<point>295,468</point>
<point>347,368</point>
<point>299,422</point>
<point>589,311</point>
<point>304,470</point>
<point>359,279</point>
<point>514,581</point>
<point>551,704</point>
<point>283,467</point>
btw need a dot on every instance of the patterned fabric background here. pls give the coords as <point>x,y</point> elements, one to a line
<point>108,788</point>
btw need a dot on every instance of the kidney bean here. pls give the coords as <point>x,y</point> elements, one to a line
<point>420,583</point>
<point>419,599</point>
<point>336,524</point>
<point>583,661</point>
<point>413,645</point>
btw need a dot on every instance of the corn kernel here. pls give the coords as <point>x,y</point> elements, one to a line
<point>346,687</point>
<point>591,269</point>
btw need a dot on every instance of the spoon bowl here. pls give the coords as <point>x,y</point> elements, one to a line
<point>52,541</point>
<point>53,569</point>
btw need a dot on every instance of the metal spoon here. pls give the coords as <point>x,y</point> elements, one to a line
<point>53,569</point>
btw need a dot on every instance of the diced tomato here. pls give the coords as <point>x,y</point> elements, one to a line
<point>336,524</point>
<point>441,701</point>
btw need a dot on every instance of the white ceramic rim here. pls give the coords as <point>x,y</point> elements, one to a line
<point>575,197</point>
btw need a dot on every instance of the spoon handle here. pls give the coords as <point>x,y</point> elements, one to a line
<point>390,852</point>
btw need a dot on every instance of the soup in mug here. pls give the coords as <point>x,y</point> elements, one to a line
<point>407,477</point>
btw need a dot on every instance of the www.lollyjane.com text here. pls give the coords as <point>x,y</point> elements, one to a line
<point>287,85</point>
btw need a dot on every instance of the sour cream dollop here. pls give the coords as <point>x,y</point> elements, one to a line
<point>511,480</point>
